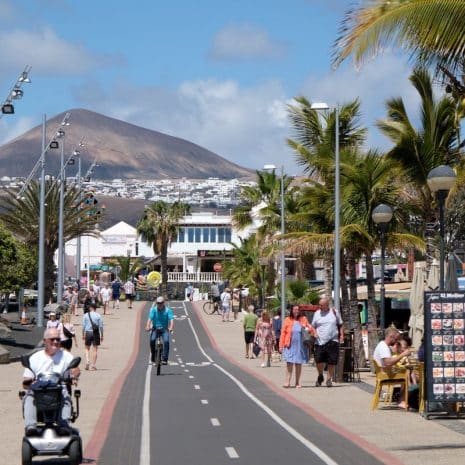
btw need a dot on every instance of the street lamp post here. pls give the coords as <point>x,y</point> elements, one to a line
<point>440,180</point>
<point>381,216</point>
<point>61,261</point>
<point>283,257</point>
<point>78,238</point>
<point>337,194</point>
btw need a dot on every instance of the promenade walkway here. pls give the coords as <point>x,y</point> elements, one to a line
<point>394,436</point>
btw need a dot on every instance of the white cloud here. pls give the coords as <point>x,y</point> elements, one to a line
<point>47,53</point>
<point>245,42</point>
<point>384,77</point>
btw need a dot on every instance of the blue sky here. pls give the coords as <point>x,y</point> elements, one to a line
<point>219,74</point>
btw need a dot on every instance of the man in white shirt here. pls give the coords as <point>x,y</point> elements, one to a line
<point>383,354</point>
<point>384,357</point>
<point>52,359</point>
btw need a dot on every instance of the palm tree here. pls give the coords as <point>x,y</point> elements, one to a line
<point>127,266</point>
<point>158,226</point>
<point>314,146</point>
<point>419,150</point>
<point>245,267</point>
<point>21,217</point>
<point>431,31</point>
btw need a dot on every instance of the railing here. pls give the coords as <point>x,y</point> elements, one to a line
<point>197,277</point>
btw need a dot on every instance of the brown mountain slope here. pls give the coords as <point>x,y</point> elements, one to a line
<point>122,150</point>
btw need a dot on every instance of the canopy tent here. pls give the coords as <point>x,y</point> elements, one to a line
<point>432,283</point>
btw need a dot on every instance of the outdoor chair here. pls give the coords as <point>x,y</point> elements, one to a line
<point>389,378</point>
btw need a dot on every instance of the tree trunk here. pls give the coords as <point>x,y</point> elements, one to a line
<point>354,323</point>
<point>164,270</point>
<point>328,279</point>
<point>344,303</point>
<point>50,275</point>
<point>308,265</point>
<point>373,310</point>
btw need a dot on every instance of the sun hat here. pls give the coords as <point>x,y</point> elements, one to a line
<point>160,300</point>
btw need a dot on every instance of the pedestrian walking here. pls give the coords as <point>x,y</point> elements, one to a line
<point>291,346</point>
<point>329,333</point>
<point>226,304</point>
<point>189,292</point>
<point>116,292</point>
<point>67,332</point>
<point>277,323</point>
<point>129,292</point>
<point>264,335</point>
<point>92,335</point>
<point>249,325</point>
<point>52,322</point>
<point>105,296</point>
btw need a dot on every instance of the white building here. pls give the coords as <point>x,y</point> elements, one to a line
<point>203,241</point>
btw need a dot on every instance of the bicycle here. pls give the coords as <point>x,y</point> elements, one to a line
<point>157,349</point>
<point>211,306</point>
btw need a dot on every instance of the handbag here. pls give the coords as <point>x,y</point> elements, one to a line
<point>307,339</point>
<point>256,349</point>
<point>67,332</point>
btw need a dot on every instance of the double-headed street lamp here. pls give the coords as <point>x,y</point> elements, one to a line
<point>337,195</point>
<point>381,216</point>
<point>16,93</point>
<point>271,167</point>
<point>440,180</point>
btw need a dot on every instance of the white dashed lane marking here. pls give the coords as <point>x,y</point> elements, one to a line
<point>196,386</point>
<point>232,454</point>
<point>191,377</point>
<point>204,401</point>
<point>215,421</point>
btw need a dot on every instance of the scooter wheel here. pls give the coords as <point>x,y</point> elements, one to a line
<point>74,453</point>
<point>26,453</point>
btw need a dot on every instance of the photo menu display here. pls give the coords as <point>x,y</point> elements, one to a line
<point>445,346</point>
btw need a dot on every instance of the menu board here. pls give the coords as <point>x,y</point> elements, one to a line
<point>445,346</point>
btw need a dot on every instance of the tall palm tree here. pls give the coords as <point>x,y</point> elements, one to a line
<point>21,217</point>
<point>158,226</point>
<point>419,150</point>
<point>314,147</point>
<point>432,31</point>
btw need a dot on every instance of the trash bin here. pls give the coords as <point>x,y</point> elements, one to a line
<point>345,363</point>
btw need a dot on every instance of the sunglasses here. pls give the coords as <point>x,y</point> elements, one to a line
<point>54,339</point>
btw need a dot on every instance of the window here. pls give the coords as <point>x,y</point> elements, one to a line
<point>220,234</point>
<point>181,235</point>
<point>206,235</point>
<point>197,234</point>
<point>212,234</point>
<point>190,234</point>
<point>227,234</point>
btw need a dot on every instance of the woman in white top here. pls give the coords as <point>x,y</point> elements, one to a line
<point>52,322</point>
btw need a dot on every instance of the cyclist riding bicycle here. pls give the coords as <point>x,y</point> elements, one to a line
<point>160,318</point>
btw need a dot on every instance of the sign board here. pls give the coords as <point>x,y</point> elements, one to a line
<point>445,346</point>
<point>214,253</point>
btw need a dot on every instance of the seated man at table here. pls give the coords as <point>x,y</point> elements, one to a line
<point>383,355</point>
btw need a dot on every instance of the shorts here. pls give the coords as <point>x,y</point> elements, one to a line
<point>92,339</point>
<point>225,309</point>
<point>115,296</point>
<point>327,353</point>
<point>66,344</point>
<point>129,296</point>
<point>248,336</point>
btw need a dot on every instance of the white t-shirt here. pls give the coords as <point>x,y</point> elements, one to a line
<point>52,324</point>
<point>42,363</point>
<point>105,294</point>
<point>382,350</point>
<point>226,300</point>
